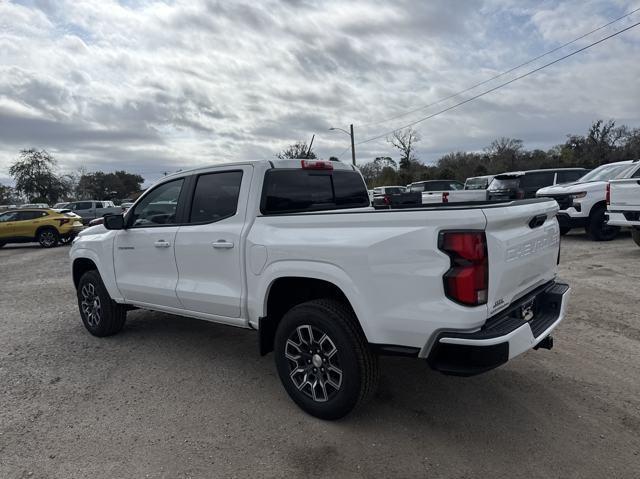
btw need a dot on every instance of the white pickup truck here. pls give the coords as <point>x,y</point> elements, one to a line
<point>623,201</point>
<point>445,191</point>
<point>583,202</point>
<point>292,249</point>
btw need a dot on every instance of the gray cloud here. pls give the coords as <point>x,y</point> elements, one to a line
<point>154,86</point>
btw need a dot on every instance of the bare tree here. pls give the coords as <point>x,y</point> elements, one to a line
<point>405,140</point>
<point>299,149</point>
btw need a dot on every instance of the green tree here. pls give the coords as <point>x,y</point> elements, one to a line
<point>35,175</point>
<point>7,195</point>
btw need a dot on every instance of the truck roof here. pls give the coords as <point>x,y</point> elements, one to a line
<point>276,163</point>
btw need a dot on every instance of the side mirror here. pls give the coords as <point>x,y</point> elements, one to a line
<point>114,222</point>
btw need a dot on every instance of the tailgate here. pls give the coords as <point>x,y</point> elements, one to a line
<point>522,242</point>
<point>625,195</point>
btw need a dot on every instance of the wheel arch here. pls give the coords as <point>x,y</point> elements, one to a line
<point>45,227</point>
<point>81,266</point>
<point>285,290</point>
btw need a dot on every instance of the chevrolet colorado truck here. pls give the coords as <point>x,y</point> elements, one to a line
<point>293,250</point>
<point>623,201</point>
<point>583,202</point>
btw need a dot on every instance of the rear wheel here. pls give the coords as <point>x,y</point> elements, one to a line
<point>100,314</point>
<point>635,234</point>
<point>598,229</point>
<point>323,359</point>
<point>48,237</point>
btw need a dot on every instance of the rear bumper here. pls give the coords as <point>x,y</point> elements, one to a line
<point>503,337</point>
<point>623,218</point>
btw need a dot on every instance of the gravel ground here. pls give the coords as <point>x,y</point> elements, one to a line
<point>178,398</point>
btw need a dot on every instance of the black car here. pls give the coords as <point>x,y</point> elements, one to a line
<point>524,184</point>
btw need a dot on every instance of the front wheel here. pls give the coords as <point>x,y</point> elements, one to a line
<point>100,314</point>
<point>635,234</point>
<point>598,229</point>
<point>323,359</point>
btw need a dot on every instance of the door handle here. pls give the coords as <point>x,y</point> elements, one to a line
<point>161,244</point>
<point>222,244</point>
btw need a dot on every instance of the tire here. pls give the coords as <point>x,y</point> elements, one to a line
<point>100,314</point>
<point>331,331</point>
<point>48,237</point>
<point>635,234</point>
<point>564,230</point>
<point>597,228</point>
<point>2,243</point>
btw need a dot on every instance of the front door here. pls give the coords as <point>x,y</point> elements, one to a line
<point>7,225</point>
<point>144,255</point>
<point>209,246</point>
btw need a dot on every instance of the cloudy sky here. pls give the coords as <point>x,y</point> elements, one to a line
<point>153,86</point>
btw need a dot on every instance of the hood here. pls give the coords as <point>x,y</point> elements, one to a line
<point>568,188</point>
<point>93,230</point>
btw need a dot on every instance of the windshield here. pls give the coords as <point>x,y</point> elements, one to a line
<point>604,172</point>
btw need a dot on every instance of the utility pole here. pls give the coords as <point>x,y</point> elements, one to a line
<point>353,145</point>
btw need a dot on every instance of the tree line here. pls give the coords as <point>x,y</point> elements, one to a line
<point>37,180</point>
<point>604,143</point>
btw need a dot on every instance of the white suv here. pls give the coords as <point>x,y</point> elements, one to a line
<point>583,203</point>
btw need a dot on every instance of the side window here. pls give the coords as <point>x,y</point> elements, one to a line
<point>537,180</point>
<point>159,206</point>
<point>216,196</point>
<point>636,174</point>
<point>27,215</point>
<point>12,216</point>
<point>83,205</point>
<point>99,204</point>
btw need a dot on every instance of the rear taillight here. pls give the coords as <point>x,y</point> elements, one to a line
<point>467,280</point>
<point>316,165</point>
<point>386,200</point>
<point>520,194</point>
<point>445,197</point>
<point>608,195</point>
<point>64,221</point>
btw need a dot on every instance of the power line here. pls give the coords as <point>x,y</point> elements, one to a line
<point>473,87</point>
<point>530,72</point>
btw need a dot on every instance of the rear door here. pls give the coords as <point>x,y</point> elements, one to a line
<point>144,257</point>
<point>209,244</point>
<point>523,249</point>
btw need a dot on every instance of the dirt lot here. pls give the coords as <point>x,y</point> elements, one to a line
<point>178,398</point>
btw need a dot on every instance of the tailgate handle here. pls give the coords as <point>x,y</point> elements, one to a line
<point>537,221</point>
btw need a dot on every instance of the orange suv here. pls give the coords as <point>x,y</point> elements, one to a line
<point>46,226</point>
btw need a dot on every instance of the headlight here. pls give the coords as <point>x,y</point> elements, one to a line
<point>575,196</point>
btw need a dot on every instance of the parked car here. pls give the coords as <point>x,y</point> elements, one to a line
<point>46,226</point>
<point>445,191</point>
<point>7,207</point>
<point>478,182</point>
<point>92,209</point>
<point>288,247</point>
<point>524,184</point>
<point>583,202</point>
<point>381,195</point>
<point>59,206</point>
<point>623,201</point>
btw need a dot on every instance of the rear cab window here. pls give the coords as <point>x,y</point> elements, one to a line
<point>298,190</point>
<point>505,183</point>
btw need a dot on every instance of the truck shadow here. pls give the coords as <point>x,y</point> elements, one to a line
<point>410,395</point>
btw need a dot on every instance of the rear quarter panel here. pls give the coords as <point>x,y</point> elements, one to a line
<point>387,263</point>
